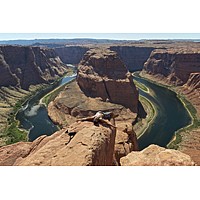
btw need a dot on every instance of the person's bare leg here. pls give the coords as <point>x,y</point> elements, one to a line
<point>108,123</point>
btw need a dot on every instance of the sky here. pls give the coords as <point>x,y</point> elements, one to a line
<point>118,36</point>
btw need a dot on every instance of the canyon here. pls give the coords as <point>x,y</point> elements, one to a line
<point>25,66</point>
<point>103,83</point>
<point>179,68</point>
<point>99,88</point>
<point>24,71</point>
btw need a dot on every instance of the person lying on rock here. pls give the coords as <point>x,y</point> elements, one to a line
<point>100,117</point>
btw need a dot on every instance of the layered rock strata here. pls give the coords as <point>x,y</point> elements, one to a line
<point>101,73</point>
<point>71,54</point>
<point>191,89</point>
<point>174,64</point>
<point>134,57</point>
<point>178,67</point>
<point>25,66</point>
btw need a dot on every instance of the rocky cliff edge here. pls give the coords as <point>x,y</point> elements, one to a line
<point>90,146</point>
<point>81,144</point>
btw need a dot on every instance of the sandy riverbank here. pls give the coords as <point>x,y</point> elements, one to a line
<point>143,124</point>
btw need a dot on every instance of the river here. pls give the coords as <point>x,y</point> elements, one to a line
<point>33,116</point>
<point>171,115</point>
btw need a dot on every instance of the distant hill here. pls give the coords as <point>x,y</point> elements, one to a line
<point>52,43</point>
<point>59,42</point>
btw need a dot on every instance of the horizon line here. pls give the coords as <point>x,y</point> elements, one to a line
<point>115,39</point>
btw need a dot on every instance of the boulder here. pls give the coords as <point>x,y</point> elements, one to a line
<point>155,155</point>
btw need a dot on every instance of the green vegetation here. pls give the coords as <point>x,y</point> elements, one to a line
<point>11,100</point>
<point>12,133</point>
<point>143,124</point>
<point>52,95</point>
<point>190,108</point>
<point>174,143</point>
<point>141,86</point>
<point>195,123</point>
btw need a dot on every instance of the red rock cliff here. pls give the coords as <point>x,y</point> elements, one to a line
<point>71,54</point>
<point>91,145</point>
<point>175,64</point>
<point>101,73</point>
<point>191,89</point>
<point>25,66</point>
<point>134,57</point>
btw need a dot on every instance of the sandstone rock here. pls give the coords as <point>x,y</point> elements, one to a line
<point>91,145</point>
<point>10,153</point>
<point>103,77</point>
<point>193,81</point>
<point>190,144</point>
<point>72,104</point>
<point>125,142</point>
<point>133,56</point>
<point>7,78</point>
<point>174,64</point>
<point>24,66</point>
<point>101,73</point>
<point>71,54</point>
<point>154,155</point>
<point>191,90</point>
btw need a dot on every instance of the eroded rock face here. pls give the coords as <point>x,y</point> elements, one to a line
<point>193,81</point>
<point>101,73</point>
<point>134,57</point>
<point>125,142</point>
<point>91,145</point>
<point>154,155</point>
<point>71,104</point>
<point>23,66</point>
<point>175,64</point>
<point>190,144</point>
<point>191,89</point>
<point>71,54</point>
